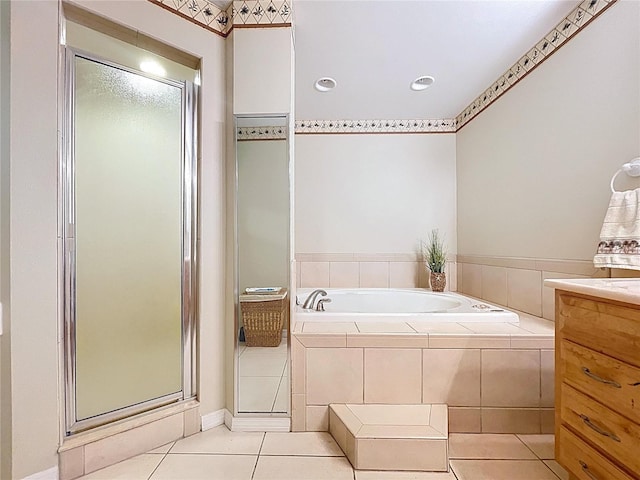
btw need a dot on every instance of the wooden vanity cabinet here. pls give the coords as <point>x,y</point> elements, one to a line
<point>597,414</point>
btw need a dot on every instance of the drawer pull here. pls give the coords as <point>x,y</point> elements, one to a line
<point>588,373</point>
<point>585,469</point>
<point>587,422</point>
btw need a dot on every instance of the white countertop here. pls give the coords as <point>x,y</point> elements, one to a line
<point>621,289</point>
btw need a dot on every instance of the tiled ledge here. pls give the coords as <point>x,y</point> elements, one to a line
<point>571,267</point>
<point>531,333</point>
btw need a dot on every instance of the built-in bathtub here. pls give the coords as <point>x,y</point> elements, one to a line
<point>495,375</point>
<point>402,305</point>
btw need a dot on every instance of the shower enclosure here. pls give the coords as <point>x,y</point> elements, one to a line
<point>129,241</point>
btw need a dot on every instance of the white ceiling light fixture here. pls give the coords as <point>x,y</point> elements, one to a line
<point>153,67</point>
<point>325,84</point>
<point>422,83</point>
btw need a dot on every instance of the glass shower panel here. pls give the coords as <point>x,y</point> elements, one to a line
<point>128,238</point>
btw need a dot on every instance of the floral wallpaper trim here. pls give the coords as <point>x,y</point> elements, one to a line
<point>439,125</point>
<point>240,13</point>
<point>573,23</point>
<point>261,133</point>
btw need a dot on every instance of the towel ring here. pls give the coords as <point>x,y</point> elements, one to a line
<point>632,169</point>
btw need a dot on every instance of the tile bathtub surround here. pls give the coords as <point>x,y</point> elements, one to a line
<point>354,270</point>
<point>518,282</point>
<point>311,456</point>
<point>471,367</point>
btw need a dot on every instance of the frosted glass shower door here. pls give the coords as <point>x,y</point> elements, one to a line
<point>128,206</point>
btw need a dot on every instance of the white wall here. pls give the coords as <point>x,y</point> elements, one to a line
<point>534,168</point>
<point>5,352</point>
<point>374,193</point>
<point>33,427</point>
<point>34,430</point>
<point>263,213</point>
<point>263,62</point>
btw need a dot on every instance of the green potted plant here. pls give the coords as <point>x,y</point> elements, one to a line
<point>435,256</point>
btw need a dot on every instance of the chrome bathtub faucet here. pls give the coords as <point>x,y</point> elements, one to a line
<point>309,302</point>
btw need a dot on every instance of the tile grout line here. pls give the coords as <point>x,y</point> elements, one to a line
<point>255,466</point>
<point>552,471</point>
<point>160,462</point>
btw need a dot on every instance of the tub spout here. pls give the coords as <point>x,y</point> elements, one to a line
<point>309,302</point>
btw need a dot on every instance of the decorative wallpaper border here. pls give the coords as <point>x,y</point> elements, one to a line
<point>439,125</point>
<point>261,133</point>
<point>241,13</point>
<point>573,23</point>
<point>264,13</point>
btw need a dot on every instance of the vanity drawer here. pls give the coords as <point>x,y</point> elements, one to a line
<point>611,382</point>
<point>583,461</point>
<point>611,432</point>
<point>604,327</point>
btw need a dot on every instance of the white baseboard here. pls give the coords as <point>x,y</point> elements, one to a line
<point>213,419</point>
<point>49,474</point>
<point>257,424</point>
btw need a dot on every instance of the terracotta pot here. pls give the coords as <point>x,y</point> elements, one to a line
<point>438,281</point>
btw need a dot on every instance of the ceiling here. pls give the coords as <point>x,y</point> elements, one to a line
<point>375,48</point>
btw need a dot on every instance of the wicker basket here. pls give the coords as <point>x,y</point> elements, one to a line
<point>263,317</point>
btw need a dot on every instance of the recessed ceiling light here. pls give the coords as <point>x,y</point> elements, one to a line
<point>422,83</point>
<point>152,67</point>
<point>325,84</point>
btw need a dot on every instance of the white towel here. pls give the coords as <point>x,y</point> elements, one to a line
<point>619,245</point>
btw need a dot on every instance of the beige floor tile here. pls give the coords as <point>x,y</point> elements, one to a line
<point>501,470</point>
<point>222,441</point>
<point>304,443</point>
<point>487,446</point>
<point>140,467</point>
<point>303,468</point>
<point>163,449</point>
<point>205,467</point>
<point>560,472</point>
<point>257,394</point>
<point>541,445</point>
<point>375,475</point>
<point>261,365</point>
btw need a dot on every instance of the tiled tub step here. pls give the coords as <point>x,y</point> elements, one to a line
<point>392,437</point>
